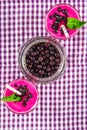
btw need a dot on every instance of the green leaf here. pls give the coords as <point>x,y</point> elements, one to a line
<point>11,98</point>
<point>74,23</point>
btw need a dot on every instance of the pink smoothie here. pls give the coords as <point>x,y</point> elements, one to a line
<point>71,13</point>
<point>17,107</point>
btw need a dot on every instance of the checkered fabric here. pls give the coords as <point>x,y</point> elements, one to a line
<point>63,104</point>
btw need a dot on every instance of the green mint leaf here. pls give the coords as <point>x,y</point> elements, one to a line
<point>11,98</point>
<point>74,23</point>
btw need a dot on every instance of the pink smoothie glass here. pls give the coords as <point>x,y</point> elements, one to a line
<point>72,12</point>
<point>17,107</point>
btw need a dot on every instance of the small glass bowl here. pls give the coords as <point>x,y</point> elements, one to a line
<point>73,13</point>
<point>17,106</point>
<point>22,63</point>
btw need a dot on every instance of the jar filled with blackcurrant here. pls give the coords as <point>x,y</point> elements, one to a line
<point>42,59</point>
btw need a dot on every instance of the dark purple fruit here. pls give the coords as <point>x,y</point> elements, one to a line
<point>41,48</point>
<point>48,69</point>
<point>25,86</point>
<point>30,66</point>
<point>55,14</point>
<point>64,11</point>
<point>30,95</point>
<point>36,61</point>
<point>40,58</point>
<point>52,57</point>
<point>52,63</point>
<point>51,48</point>
<point>57,60</point>
<point>41,72</point>
<point>47,51</point>
<point>59,9</point>
<point>47,44</point>
<point>47,55</point>
<point>47,61</point>
<point>34,47</point>
<point>53,67</point>
<point>56,67</point>
<point>57,55</point>
<point>59,18</point>
<point>38,47</point>
<point>24,92</point>
<point>43,63</point>
<point>49,74</point>
<point>52,52</point>
<point>37,74</point>
<point>32,71</point>
<point>56,22</point>
<point>26,99</point>
<point>20,89</point>
<point>64,18</point>
<point>33,58</point>
<point>42,52</point>
<point>55,27</point>
<point>44,67</point>
<point>37,52</point>
<point>36,70</point>
<point>33,53</point>
<point>51,16</point>
<point>39,66</point>
<point>28,61</point>
<point>24,104</point>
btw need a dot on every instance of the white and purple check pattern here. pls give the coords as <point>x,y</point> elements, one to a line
<point>63,104</point>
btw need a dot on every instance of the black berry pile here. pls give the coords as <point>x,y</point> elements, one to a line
<point>42,60</point>
<point>57,18</point>
<point>26,95</point>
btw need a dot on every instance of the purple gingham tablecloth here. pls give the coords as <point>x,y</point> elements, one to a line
<point>62,104</point>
